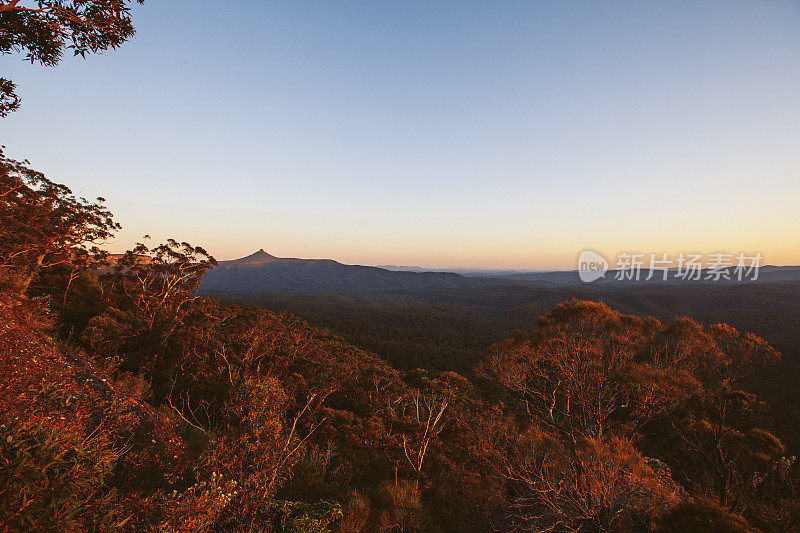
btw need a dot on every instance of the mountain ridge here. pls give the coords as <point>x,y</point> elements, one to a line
<point>263,272</point>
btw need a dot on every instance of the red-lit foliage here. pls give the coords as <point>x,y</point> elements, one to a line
<point>130,403</point>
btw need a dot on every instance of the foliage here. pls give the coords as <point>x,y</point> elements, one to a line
<point>148,296</point>
<point>43,224</point>
<point>159,409</point>
<point>302,517</point>
<point>450,329</point>
<point>591,379</point>
<point>9,101</point>
<point>579,373</point>
<point>704,516</point>
<point>44,31</point>
<point>50,481</point>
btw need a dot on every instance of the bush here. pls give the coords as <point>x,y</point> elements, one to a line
<point>705,516</point>
<point>302,517</point>
<point>50,482</point>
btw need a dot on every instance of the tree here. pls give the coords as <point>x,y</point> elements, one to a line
<point>46,29</point>
<point>43,224</point>
<point>579,376</point>
<point>427,406</point>
<point>617,488</point>
<point>580,372</point>
<point>149,294</point>
<point>582,386</point>
<point>161,280</point>
<point>589,377</point>
<point>720,429</point>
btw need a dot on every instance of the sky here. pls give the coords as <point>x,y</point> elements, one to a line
<point>507,134</point>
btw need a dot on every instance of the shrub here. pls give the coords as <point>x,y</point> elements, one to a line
<point>49,481</point>
<point>302,517</point>
<point>705,516</point>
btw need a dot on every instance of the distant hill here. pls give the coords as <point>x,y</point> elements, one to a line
<point>264,273</point>
<point>568,278</point>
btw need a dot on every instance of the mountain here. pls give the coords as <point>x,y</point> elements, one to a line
<point>264,273</point>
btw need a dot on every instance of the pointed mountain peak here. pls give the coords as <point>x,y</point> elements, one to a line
<point>258,257</point>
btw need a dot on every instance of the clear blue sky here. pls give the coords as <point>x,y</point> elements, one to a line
<point>498,134</point>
